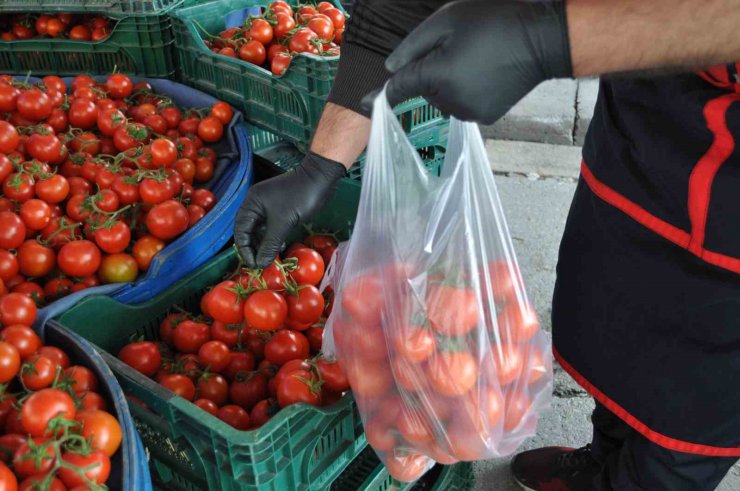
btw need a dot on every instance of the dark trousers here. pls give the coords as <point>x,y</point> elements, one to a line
<point>631,462</point>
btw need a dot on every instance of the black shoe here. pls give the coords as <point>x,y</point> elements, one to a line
<point>555,469</point>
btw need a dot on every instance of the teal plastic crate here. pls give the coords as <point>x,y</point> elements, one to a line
<point>302,447</point>
<point>137,45</point>
<point>367,473</point>
<point>281,156</point>
<point>289,106</point>
<point>110,7</point>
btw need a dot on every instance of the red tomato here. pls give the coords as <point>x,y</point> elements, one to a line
<point>362,300</point>
<point>142,356</point>
<point>265,310</point>
<point>247,391</point>
<point>284,25</point>
<point>101,428</point>
<point>18,187</point>
<point>145,249</point>
<point>189,336</point>
<point>16,308</point>
<point>453,373</point>
<point>39,372</point>
<point>415,344</point>
<point>306,305</point>
<point>304,41</point>
<point>92,400</point>
<point>239,362</point>
<point>8,101</point>
<point>315,337</point>
<point>305,13</point>
<point>262,412</point>
<point>12,230</point>
<point>298,386</point>
<point>167,220</point>
<point>210,129</point>
<point>10,362</point>
<point>223,303</point>
<point>452,311</point>
<point>517,407</point>
<point>370,381</point>
<point>180,385</point>
<point>96,461</point>
<point>407,468</point>
<point>234,416</point>
<point>322,26</point>
<point>113,239</point>
<point>505,364</point>
<point>81,378</point>
<point>207,405</point>
<point>35,260</point>
<point>414,427</point>
<point>9,137</point>
<point>333,375</point>
<point>286,345</point>
<point>252,52</point>
<point>54,353</point>
<point>336,16</point>
<point>119,86</point>
<point>43,406</point>
<point>222,110</point>
<point>83,113</point>
<point>310,267</point>
<point>164,152</point>
<point>79,258</point>
<point>35,213</point>
<point>517,323</point>
<point>214,388</point>
<point>214,356</point>
<point>34,461</point>
<point>34,105</point>
<point>53,189</point>
<point>23,338</point>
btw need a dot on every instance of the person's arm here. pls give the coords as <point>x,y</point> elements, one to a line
<point>475,59</point>
<point>638,35</point>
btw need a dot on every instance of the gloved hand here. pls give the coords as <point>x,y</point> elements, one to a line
<point>281,203</point>
<point>474,59</point>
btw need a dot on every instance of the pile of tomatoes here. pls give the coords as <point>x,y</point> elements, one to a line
<point>249,351</point>
<point>95,181</point>
<point>55,432</point>
<point>68,26</point>
<point>438,375</point>
<point>280,33</point>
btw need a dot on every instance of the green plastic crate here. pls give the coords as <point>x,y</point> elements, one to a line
<point>136,46</point>
<point>367,473</point>
<point>269,149</point>
<point>289,106</point>
<point>109,7</point>
<point>303,447</point>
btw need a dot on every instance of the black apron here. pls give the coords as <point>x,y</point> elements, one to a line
<point>646,311</point>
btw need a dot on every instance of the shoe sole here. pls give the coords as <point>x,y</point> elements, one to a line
<point>522,485</point>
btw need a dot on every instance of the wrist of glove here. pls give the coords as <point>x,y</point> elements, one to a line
<point>474,59</point>
<point>274,207</point>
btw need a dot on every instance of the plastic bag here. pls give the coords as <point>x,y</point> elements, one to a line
<point>431,320</point>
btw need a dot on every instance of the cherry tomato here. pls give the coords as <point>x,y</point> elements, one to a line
<point>223,303</point>
<point>214,388</point>
<point>16,308</point>
<point>119,86</point>
<point>43,406</point>
<point>247,391</point>
<point>286,345</point>
<point>142,356</point>
<point>210,129</point>
<point>167,220</point>
<point>303,41</point>
<point>265,310</point>
<point>214,356</point>
<point>189,336</point>
<point>23,338</point>
<point>298,386</point>
<point>262,412</point>
<point>96,462</point>
<point>79,258</point>
<point>10,361</point>
<point>284,25</point>
<point>180,385</point>
<point>34,457</point>
<point>310,267</point>
<point>34,105</point>
<point>12,230</point>
<point>83,113</point>
<point>38,372</point>
<point>101,428</point>
<point>207,405</point>
<point>9,137</point>
<point>234,416</point>
<point>239,362</point>
<point>144,250</point>
<point>306,305</point>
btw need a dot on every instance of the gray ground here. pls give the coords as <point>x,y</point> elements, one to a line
<point>534,152</point>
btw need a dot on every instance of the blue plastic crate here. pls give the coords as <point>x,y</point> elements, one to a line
<point>232,177</point>
<point>129,466</point>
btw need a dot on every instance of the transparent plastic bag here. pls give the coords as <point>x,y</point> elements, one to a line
<point>431,320</point>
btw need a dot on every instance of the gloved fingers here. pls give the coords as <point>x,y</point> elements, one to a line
<point>427,35</point>
<point>421,77</point>
<point>272,242</point>
<point>246,226</point>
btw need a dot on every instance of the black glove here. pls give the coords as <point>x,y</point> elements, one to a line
<point>281,203</point>
<point>475,59</point>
